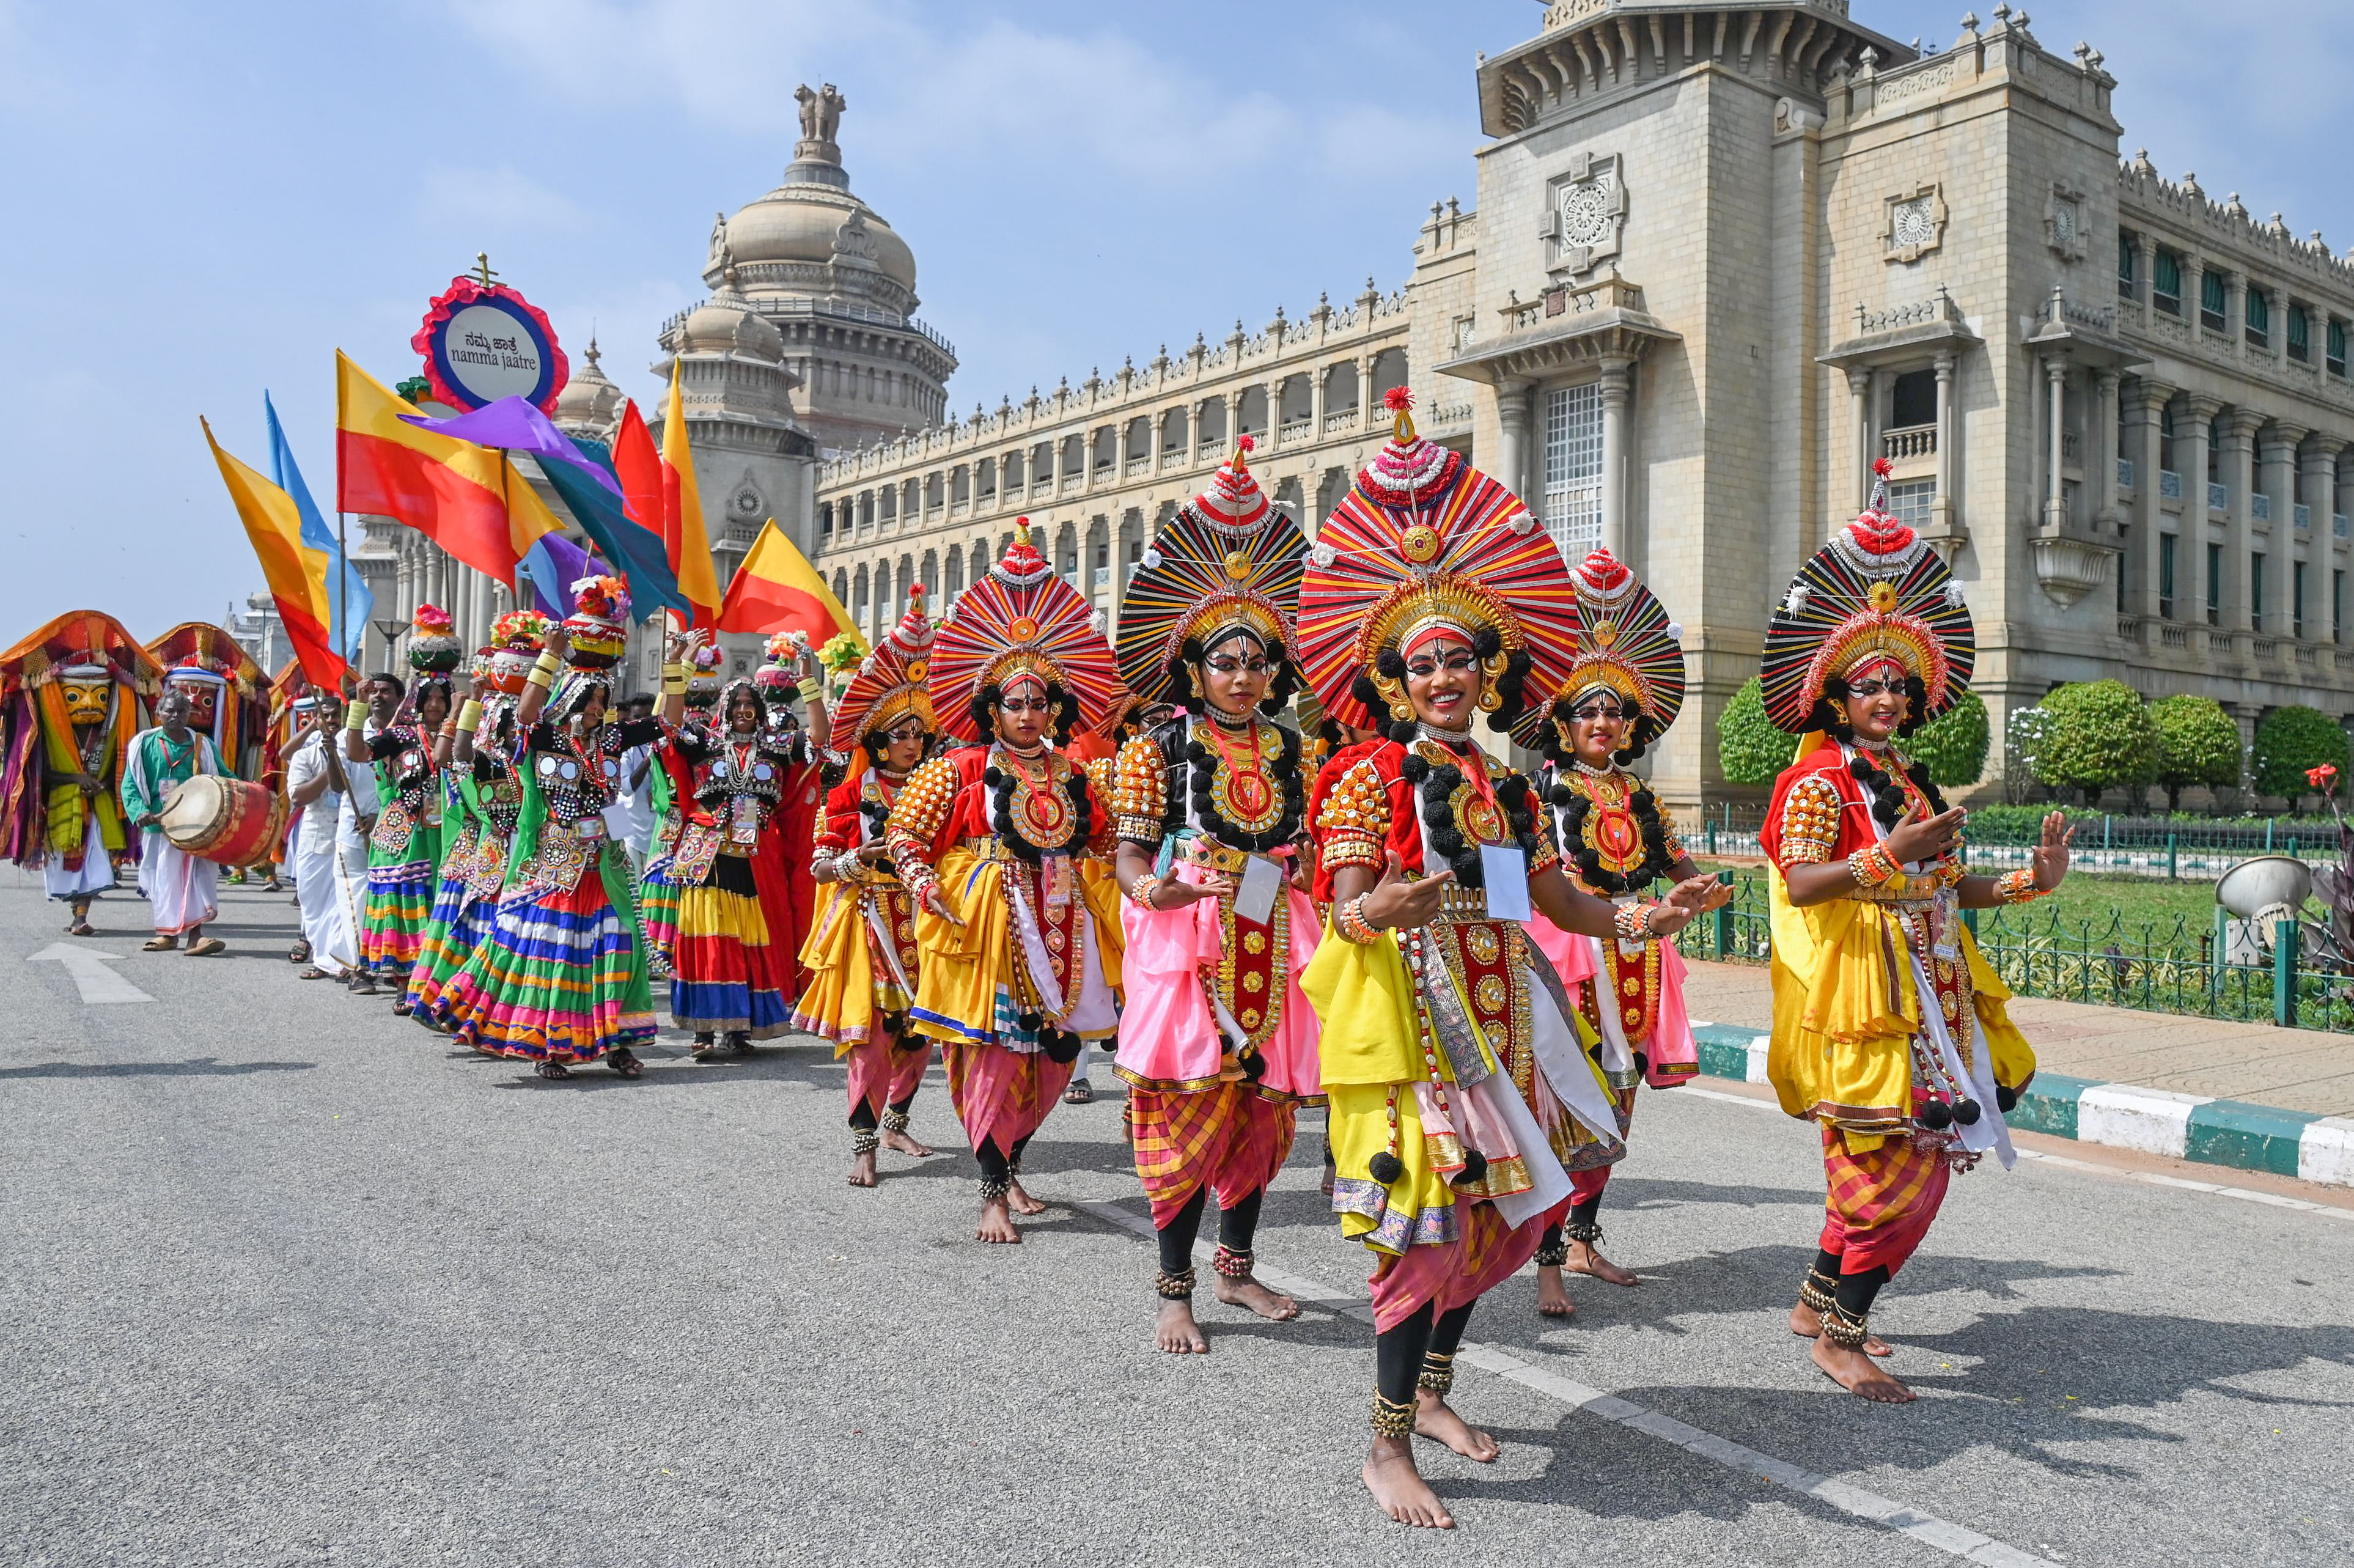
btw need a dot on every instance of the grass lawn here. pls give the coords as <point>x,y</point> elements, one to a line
<point>2093,900</point>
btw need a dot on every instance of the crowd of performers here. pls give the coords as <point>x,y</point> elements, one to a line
<point>1007,840</point>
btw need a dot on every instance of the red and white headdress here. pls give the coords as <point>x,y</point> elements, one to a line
<point>1227,562</point>
<point>1626,643</point>
<point>1876,592</point>
<point>599,626</point>
<point>1021,620</point>
<point>1426,544</point>
<point>889,683</point>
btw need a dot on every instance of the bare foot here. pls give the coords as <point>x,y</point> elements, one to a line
<point>861,1169</point>
<point>1398,1487</point>
<point>1248,1292</point>
<point>1175,1331</point>
<point>1434,1419</point>
<point>1022,1202</point>
<point>1553,1301</point>
<point>1856,1374</point>
<point>1583,1259</point>
<point>1808,1324</point>
<point>996,1224</point>
<point>900,1143</point>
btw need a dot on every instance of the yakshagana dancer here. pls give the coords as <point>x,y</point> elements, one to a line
<point>791,671</point>
<point>405,848</point>
<point>560,976</point>
<point>1217,1044</point>
<point>1889,1029</point>
<point>481,795</point>
<point>658,891</point>
<point>1451,1059</point>
<point>1623,692</point>
<point>72,696</point>
<point>731,972</point>
<point>860,956</point>
<point>1020,952</point>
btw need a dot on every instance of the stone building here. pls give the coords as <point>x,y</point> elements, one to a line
<point>1724,256</point>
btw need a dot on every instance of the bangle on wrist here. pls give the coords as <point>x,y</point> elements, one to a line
<point>1634,921</point>
<point>1349,920</point>
<point>809,691</point>
<point>1140,891</point>
<point>471,715</point>
<point>2017,887</point>
<point>1873,866</point>
<point>355,718</point>
<point>544,679</point>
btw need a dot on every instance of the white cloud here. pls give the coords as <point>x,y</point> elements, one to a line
<point>501,198</point>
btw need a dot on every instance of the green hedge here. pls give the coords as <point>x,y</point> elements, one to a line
<point>2100,736</point>
<point>1748,747</point>
<point>2288,741</point>
<point>2198,743</point>
<point>1955,746</point>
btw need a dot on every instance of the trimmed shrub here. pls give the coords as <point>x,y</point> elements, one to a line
<point>2288,741</point>
<point>1954,746</point>
<point>2100,736</point>
<point>2198,743</point>
<point>1748,747</point>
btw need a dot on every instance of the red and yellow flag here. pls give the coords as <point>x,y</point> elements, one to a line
<point>775,590</point>
<point>471,500</point>
<point>683,512</point>
<point>296,573</point>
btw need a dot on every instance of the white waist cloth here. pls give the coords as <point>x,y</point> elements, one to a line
<point>179,885</point>
<point>97,873</point>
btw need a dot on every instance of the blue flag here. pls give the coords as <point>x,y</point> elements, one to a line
<point>348,599</point>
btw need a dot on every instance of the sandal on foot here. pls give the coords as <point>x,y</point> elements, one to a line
<point>82,929</point>
<point>206,948</point>
<point>622,1061</point>
<point>739,1042</point>
<point>300,953</point>
<point>159,944</point>
<point>706,1048</point>
<point>1080,1092</point>
<point>552,1070</point>
<point>315,972</point>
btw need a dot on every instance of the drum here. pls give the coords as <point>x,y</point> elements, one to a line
<point>228,820</point>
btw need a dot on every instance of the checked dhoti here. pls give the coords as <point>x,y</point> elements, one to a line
<point>1228,1137</point>
<point>1484,1252</point>
<point>1879,1200</point>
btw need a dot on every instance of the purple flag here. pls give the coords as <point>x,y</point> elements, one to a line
<point>552,565</point>
<point>517,425</point>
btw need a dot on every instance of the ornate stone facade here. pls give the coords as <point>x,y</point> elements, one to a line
<point>1724,257</point>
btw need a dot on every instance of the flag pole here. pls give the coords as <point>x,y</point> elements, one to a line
<point>343,596</point>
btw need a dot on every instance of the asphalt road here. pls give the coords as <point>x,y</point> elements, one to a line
<point>286,1282</point>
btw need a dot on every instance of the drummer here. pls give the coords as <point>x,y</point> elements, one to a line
<point>181,886</point>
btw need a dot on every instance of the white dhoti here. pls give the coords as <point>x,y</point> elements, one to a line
<point>182,888</point>
<point>96,873</point>
<point>325,901</point>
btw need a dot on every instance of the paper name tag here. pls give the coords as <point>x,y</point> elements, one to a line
<point>1506,871</point>
<point>1254,898</point>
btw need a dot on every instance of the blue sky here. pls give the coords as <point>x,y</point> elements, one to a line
<point>198,202</point>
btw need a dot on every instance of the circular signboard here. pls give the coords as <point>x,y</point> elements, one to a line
<point>482,342</point>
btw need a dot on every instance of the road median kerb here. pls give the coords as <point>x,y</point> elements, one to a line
<point>2207,1132</point>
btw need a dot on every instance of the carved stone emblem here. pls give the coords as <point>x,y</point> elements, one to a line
<point>1916,223</point>
<point>1585,214</point>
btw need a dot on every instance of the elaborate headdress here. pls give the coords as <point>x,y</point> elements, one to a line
<point>227,688</point>
<point>1021,620</point>
<point>1875,592</point>
<point>503,665</point>
<point>599,625</point>
<point>1425,544</point>
<point>889,683</point>
<point>433,641</point>
<point>1626,645</point>
<point>1226,563</point>
<point>703,677</point>
<point>778,675</point>
<point>34,681</point>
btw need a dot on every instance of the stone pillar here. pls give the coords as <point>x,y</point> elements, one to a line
<point>2145,407</point>
<point>2145,271</point>
<point>1316,402</point>
<point>2100,447</point>
<point>1513,419</point>
<point>1617,386</point>
<point>1941,509</point>
<point>2278,456</point>
<point>2238,470</point>
<point>2325,554</point>
<point>2277,302</point>
<point>2192,438</point>
<point>2235,311</point>
<point>2056,494</point>
<point>2194,293</point>
<point>1859,388</point>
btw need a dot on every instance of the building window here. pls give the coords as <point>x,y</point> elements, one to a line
<point>2165,575</point>
<point>2165,439</point>
<point>2215,584</point>
<point>1912,400</point>
<point>1573,469</point>
<point>2125,263</point>
<point>2124,551</point>
<point>1909,502</point>
<point>2210,301</point>
<point>2166,283</point>
<point>2300,336</point>
<point>2337,606</point>
<point>2337,347</point>
<point>2260,318</point>
<point>2296,600</point>
<point>2256,589</point>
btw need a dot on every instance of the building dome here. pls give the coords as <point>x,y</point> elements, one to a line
<point>817,225</point>
<point>727,323</point>
<point>590,403</point>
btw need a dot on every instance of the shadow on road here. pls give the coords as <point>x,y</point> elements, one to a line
<point>193,1067</point>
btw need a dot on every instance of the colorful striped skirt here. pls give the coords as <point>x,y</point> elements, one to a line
<point>460,916</point>
<point>725,974</point>
<point>658,904</point>
<point>558,976</point>
<point>394,915</point>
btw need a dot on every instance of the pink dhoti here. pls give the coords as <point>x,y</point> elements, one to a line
<point>1228,1137</point>
<point>1003,1096</point>
<point>1484,1253</point>
<point>880,1076</point>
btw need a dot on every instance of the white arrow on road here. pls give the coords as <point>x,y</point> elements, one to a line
<point>98,984</point>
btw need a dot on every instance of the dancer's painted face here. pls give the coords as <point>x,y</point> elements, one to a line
<point>1597,725</point>
<point>1025,713</point>
<point>1442,682</point>
<point>1236,673</point>
<point>1877,702</point>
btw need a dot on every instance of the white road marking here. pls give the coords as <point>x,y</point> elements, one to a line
<point>2156,1179</point>
<point>98,984</point>
<point>1928,1529</point>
